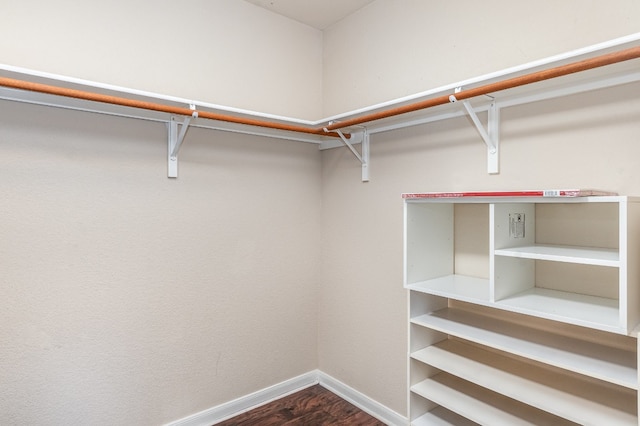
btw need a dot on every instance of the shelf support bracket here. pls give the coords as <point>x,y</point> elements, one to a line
<point>362,138</point>
<point>489,135</point>
<point>175,140</point>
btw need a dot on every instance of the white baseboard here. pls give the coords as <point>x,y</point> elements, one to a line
<point>360,400</point>
<point>238,406</point>
<point>230,409</point>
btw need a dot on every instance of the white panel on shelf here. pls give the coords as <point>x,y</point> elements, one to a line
<point>503,226</point>
<point>512,276</point>
<point>428,241</point>
<point>630,271</point>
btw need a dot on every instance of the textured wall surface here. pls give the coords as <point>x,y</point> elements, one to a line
<point>131,298</point>
<point>401,47</point>
<point>226,52</point>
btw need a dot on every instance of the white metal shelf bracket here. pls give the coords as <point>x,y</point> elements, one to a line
<point>362,138</point>
<point>175,140</point>
<point>489,135</point>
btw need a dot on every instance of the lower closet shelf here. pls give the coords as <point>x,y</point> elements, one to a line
<point>579,399</point>
<point>607,363</point>
<point>480,405</point>
<point>440,416</point>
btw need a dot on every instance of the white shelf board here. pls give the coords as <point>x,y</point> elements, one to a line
<point>588,311</point>
<point>572,397</point>
<point>602,362</point>
<point>480,405</point>
<point>458,287</point>
<point>571,254</point>
<point>442,417</point>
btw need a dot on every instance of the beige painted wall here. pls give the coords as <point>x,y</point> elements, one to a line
<point>226,52</point>
<point>400,47</point>
<point>397,48</point>
<point>128,297</point>
<point>131,298</point>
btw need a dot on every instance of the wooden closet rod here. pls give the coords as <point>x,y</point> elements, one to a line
<point>329,130</point>
<point>534,77</point>
<point>116,100</point>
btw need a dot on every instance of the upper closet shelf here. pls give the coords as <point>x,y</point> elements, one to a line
<point>599,66</point>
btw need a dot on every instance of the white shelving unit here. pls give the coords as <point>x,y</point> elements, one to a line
<point>522,309</point>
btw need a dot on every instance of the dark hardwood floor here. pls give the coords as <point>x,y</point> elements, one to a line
<point>314,406</point>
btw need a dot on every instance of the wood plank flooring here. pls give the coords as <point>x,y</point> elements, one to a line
<point>314,406</point>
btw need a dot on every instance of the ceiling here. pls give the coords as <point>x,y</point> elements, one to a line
<point>319,14</point>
